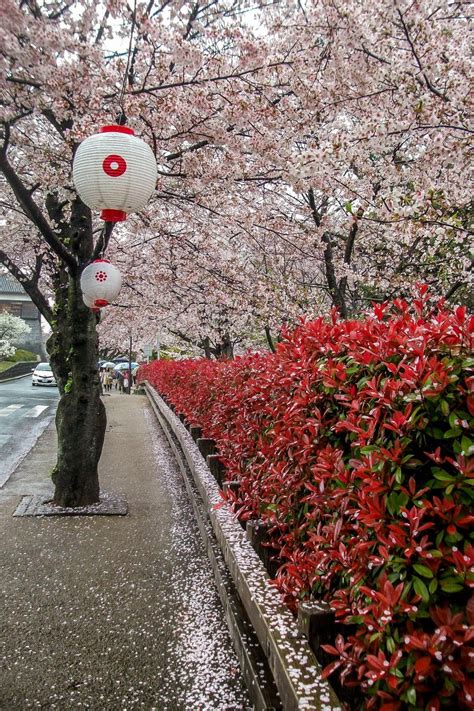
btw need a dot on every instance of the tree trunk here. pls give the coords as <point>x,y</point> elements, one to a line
<point>73,349</point>
<point>269,338</point>
<point>338,298</point>
<point>227,347</point>
<point>206,346</point>
<point>80,417</point>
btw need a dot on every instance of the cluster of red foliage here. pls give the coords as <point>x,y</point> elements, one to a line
<point>352,441</point>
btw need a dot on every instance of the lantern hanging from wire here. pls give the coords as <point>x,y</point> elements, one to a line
<point>100,283</point>
<point>114,171</point>
<point>88,302</point>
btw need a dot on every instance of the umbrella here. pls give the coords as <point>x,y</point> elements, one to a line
<point>124,366</point>
<point>108,364</point>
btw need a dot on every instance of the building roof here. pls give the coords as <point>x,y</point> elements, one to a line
<point>9,285</point>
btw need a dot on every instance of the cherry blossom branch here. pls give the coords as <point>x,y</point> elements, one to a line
<point>60,126</point>
<point>24,82</point>
<point>59,13</point>
<point>33,7</point>
<point>102,27</point>
<point>455,287</point>
<point>103,241</point>
<point>200,82</point>
<point>33,212</point>
<point>188,149</point>
<point>371,54</point>
<point>30,285</point>
<point>428,83</point>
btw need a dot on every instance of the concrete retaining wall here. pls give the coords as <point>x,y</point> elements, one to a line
<point>18,369</point>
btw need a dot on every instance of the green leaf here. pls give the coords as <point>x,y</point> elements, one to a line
<point>454,432</point>
<point>421,589</point>
<point>423,570</point>
<point>433,586</point>
<point>356,619</point>
<point>453,419</point>
<point>411,695</point>
<point>445,407</point>
<point>442,475</point>
<point>451,586</point>
<point>467,446</point>
<point>391,645</point>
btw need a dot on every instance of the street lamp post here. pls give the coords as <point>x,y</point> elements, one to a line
<point>129,389</point>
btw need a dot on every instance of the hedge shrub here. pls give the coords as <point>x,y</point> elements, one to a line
<point>354,442</point>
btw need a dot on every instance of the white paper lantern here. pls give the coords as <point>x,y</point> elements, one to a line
<point>100,283</point>
<point>89,302</point>
<point>114,171</point>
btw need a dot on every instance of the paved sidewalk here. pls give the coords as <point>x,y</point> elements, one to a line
<point>112,613</point>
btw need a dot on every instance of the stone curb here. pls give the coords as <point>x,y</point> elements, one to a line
<point>294,667</point>
<point>16,377</point>
<point>253,663</point>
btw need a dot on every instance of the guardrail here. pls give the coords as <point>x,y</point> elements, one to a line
<point>253,606</point>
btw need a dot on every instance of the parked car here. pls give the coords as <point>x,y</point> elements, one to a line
<point>43,375</point>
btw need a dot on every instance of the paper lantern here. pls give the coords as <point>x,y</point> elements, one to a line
<point>114,171</point>
<point>100,283</point>
<point>88,302</point>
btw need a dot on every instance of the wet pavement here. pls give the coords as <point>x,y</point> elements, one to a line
<point>112,613</point>
<point>25,412</point>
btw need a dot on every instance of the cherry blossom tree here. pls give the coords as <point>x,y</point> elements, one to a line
<point>309,154</point>
<point>374,131</point>
<point>65,73</point>
<point>346,170</point>
<point>12,328</point>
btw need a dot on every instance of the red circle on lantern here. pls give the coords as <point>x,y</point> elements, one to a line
<point>101,276</point>
<point>114,165</point>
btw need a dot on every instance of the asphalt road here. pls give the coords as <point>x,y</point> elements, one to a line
<point>25,411</point>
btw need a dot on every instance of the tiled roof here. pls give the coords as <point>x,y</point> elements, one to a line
<point>9,285</point>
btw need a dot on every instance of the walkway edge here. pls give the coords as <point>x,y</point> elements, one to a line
<point>296,672</point>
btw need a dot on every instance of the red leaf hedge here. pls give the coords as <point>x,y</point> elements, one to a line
<point>354,443</point>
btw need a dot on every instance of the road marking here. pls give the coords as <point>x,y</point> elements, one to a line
<point>4,412</point>
<point>36,411</point>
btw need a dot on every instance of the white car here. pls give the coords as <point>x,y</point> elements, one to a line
<point>43,375</point>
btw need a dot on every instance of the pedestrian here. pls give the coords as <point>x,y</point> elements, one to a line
<point>126,380</point>
<point>102,380</point>
<point>108,381</point>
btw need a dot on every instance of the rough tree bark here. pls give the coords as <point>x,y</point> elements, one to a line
<point>80,417</point>
<point>73,345</point>
<point>73,350</point>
